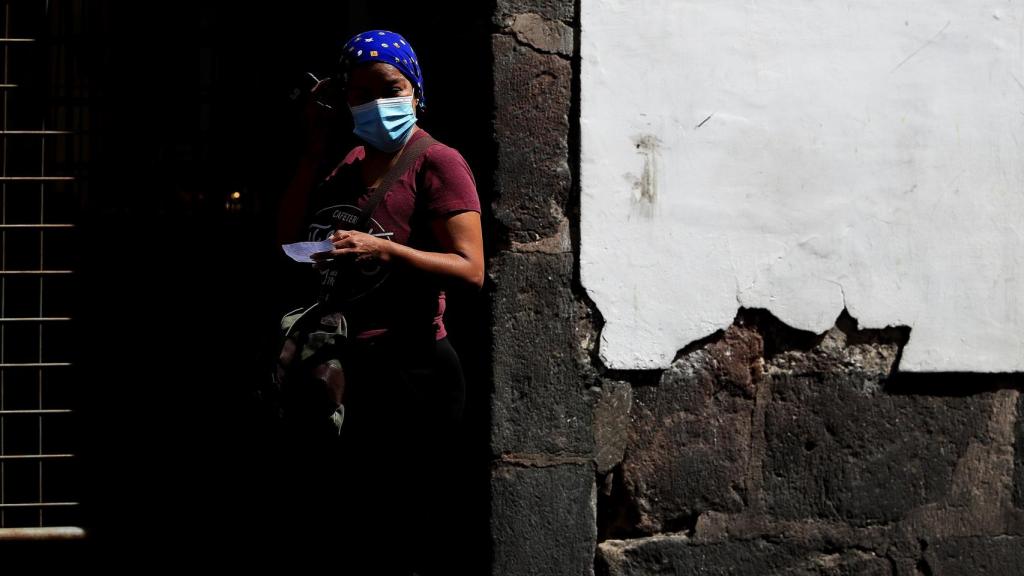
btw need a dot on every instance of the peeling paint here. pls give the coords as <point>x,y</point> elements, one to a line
<point>870,162</point>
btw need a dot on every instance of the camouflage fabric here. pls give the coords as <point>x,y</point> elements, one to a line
<point>310,379</point>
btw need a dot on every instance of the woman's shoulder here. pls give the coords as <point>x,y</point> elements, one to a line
<point>447,181</point>
<point>353,156</point>
<point>356,154</point>
<point>442,157</point>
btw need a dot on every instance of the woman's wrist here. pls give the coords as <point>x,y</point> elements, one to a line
<point>388,250</point>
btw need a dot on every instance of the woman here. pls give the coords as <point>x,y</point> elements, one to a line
<point>404,386</point>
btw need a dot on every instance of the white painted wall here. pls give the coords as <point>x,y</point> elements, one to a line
<point>803,156</point>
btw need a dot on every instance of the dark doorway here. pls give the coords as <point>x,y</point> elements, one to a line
<point>193,129</point>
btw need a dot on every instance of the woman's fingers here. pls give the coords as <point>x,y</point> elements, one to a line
<point>320,256</point>
<point>349,244</point>
<point>350,239</point>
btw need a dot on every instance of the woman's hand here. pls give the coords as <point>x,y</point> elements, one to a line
<point>356,245</point>
<point>458,235</point>
<point>318,116</point>
<point>316,125</point>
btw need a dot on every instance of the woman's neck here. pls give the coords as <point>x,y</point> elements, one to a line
<point>377,163</point>
<point>374,155</point>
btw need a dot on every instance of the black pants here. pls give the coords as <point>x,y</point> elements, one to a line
<point>383,496</point>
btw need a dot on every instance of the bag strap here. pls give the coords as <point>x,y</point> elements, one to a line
<point>408,157</point>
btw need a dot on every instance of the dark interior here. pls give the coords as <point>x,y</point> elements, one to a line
<point>176,106</point>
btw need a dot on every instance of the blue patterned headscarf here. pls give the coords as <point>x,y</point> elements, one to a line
<point>383,46</point>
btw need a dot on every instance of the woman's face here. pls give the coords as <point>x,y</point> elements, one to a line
<point>375,81</point>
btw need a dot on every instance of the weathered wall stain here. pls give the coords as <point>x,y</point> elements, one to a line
<point>645,188</point>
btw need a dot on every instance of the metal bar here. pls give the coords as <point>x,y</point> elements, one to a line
<point>36,504</point>
<point>34,132</point>
<point>36,178</point>
<point>53,319</point>
<point>35,456</point>
<point>3,265</point>
<point>30,272</point>
<point>51,533</point>
<point>8,226</point>
<point>39,327</point>
<point>39,504</point>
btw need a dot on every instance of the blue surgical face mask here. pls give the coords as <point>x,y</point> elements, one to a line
<point>385,124</point>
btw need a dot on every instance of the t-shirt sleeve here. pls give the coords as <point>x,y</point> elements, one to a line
<point>448,182</point>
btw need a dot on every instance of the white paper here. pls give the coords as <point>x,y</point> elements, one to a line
<point>301,251</point>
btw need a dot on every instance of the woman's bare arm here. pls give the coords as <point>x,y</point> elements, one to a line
<point>459,236</point>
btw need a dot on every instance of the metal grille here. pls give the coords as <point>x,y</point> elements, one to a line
<point>37,448</point>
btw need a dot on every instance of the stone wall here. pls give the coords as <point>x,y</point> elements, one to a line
<point>761,450</point>
<point>542,481</point>
<point>766,451</point>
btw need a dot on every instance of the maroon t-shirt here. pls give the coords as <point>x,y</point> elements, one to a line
<point>379,298</point>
